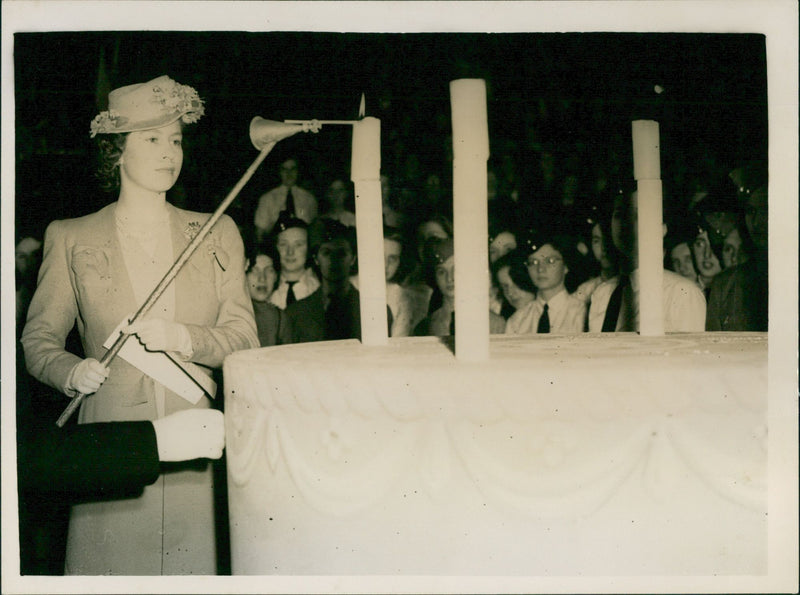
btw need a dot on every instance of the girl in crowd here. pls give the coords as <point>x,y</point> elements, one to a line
<point>441,322</point>
<point>554,310</point>
<point>420,283</point>
<point>606,257</point>
<point>296,279</point>
<point>707,256</point>
<point>511,276</point>
<point>502,240</point>
<point>272,322</point>
<point>98,269</point>
<point>397,298</point>
<point>338,203</point>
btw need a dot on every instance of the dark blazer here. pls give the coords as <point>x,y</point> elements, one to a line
<point>273,324</point>
<point>311,322</point>
<point>88,461</point>
<point>739,299</point>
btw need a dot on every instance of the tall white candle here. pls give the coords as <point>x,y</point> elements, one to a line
<point>470,218</point>
<point>365,172</point>
<point>647,173</point>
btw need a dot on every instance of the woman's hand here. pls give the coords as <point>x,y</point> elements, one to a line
<point>190,434</point>
<point>87,376</point>
<point>157,334</point>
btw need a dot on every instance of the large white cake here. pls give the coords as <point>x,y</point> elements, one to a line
<point>585,455</point>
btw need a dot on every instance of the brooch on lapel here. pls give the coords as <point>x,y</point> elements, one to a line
<point>192,230</point>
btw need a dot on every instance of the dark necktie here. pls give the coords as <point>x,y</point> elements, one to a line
<point>337,319</point>
<point>290,297</point>
<point>544,321</point>
<point>289,202</point>
<point>614,306</point>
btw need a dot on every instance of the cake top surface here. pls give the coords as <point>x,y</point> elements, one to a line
<point>599,349</point>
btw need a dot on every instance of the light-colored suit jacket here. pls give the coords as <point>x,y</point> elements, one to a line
<point>83,279</point>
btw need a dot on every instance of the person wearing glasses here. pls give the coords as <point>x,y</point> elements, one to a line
<point>554,310</point>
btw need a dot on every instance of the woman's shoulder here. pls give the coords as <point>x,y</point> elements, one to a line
<point>79,224</point>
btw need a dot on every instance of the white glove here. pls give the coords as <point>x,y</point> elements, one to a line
<point>86,377</point>
<point>190,434</point>
<point>157,334</point>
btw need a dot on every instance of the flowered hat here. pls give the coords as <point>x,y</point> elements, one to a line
<point>148,105</point>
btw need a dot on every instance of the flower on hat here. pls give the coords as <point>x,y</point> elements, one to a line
<point>148,105</point>
<point>180,98</point>
<point>103,122</point>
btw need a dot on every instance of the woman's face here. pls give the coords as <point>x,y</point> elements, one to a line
<point>547,268</point>
<point>337,193</point>
<point>261,278</point>
<point>152,159</point>
<point>731,249</point>
<point>682,262</point>
<point>445,278</point>
<point>599,247</point>
<point>504,243</point>
<point>391,257</point>
<point>707,262</point>
<point>514,294</point>
<point>293,249</point>
<point>335,259</point>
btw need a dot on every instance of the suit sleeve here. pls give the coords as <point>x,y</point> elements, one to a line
<point>52,314</point>
<point>89,460</point>
<point>235,327</point>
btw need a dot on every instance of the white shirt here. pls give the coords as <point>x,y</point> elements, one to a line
<point>273,202</point>
<point>566,314</point>
<point>585,289</point>
<point>304,287</point>
<point>684,305</point>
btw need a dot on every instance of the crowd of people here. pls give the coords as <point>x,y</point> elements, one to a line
<point>562,251</point>
<point>554,267</point>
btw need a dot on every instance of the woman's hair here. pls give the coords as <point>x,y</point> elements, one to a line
<point>110,150</point>
<point>253,248</point>
<point>698,225</point>
<point>517,270</point>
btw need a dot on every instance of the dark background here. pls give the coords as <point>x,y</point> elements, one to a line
<point>576,90</point>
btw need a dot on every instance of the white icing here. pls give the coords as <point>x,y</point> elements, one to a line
<point>351,459</point>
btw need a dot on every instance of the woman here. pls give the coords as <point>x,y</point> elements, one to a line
<point>338,203</point>
<point>398,299</point>
<point>441,322</point>
<point>707,254</point>
<point>272,322</point>
<point>511,277</point>
<point>605,256</point>
<point>554,310</point>
<point>98,269</point>
<point>420,283</point>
